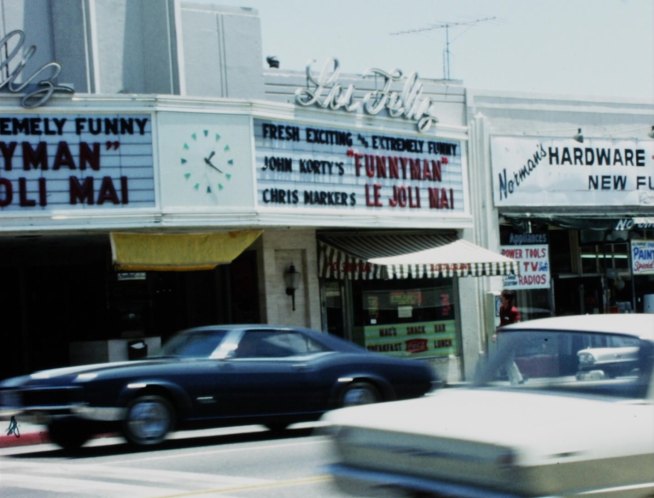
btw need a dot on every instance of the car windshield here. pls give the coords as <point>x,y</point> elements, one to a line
<point>589,363</point>
<point>196,344</point>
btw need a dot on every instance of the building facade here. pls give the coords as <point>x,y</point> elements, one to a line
<point>570,182</point>
<point>157,178</point>
<point>160,178</point>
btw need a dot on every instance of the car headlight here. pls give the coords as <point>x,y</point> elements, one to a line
<point>586,359</point>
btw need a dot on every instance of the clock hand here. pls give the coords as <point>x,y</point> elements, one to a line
<point>207,161</point>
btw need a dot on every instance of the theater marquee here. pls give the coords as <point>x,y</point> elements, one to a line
<point>317,168</point>
<point>75,161</point>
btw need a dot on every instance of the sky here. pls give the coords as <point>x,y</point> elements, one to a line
<point>585,48</point>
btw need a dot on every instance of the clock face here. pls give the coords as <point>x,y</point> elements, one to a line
<point>207,162</point>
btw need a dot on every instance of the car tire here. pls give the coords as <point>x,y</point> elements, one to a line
<point>359,393</point>
<point>68,433</point>
<point>148,420</point>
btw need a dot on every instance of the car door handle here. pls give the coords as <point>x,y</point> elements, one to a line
<point>299,366</point>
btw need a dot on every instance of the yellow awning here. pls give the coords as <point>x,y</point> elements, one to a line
<point>178,251</point>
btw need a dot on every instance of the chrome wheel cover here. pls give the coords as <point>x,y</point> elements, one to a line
<point>148,421</point>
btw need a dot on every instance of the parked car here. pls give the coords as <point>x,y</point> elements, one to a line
<point>532,424</point>
<point>212,376</point>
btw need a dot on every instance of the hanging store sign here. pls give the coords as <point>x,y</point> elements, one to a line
<point>301,167</point>
<point>642,257</point>
<point>326,91</point>
<point>531,251</point>
<point>39,86</point>
<point>75,161</point>
<point>560,172</point>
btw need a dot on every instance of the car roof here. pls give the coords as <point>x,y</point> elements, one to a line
<point>636,324</point>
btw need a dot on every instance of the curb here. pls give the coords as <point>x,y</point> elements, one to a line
<point>9,441</point>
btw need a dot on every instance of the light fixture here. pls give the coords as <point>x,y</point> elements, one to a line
<point>291,280</point>
<point>273,62</point>
<point>651,132</point>
<point>578,137</point>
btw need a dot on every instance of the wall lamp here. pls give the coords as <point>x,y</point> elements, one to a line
<point>291,280</point>
<point>578,137</point>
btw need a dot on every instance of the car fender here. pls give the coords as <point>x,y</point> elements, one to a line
<point>385,388</point>
<point>177,395</point>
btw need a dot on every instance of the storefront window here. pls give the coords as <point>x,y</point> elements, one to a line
<point>414,318</point>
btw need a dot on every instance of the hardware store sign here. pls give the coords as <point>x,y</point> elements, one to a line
<point>562,172</point>
<point>53,161</point>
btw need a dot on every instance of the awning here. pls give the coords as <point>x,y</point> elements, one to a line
<point>385,256</point>
<point>459,258</point>
<point>178,251</point>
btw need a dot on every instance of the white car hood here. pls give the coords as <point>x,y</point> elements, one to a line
<point>538,428</point>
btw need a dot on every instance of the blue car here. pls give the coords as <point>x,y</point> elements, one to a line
<point>212,376</point>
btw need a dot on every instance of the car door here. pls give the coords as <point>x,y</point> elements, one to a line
<point>268,374</point>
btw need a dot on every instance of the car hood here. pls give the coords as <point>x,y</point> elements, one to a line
<point>537,428</point>
<point>58,374</point>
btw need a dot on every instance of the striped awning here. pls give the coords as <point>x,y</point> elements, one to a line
<point>386,256</point>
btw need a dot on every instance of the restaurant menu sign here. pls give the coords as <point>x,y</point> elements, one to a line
<point>642,257</point>
<point>413,340</point>
<point>531,251</point>
<point>320,169</point>
<point>562,172</point>
<point>75,161</point>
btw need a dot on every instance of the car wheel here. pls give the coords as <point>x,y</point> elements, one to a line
<point>148,420</point>
<point>359,393</point>
<point>68,433</point>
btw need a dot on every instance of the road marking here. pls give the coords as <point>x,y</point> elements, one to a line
<point>119,481</point>
<point>245,447</point>
<point>303,481</point>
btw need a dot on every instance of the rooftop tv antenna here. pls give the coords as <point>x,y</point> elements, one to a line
<point>446,26</point>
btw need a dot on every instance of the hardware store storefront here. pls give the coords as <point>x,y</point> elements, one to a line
<point>573,203</point>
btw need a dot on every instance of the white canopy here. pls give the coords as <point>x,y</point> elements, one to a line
<point>459,258</point>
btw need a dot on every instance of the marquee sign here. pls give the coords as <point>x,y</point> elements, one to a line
<point>327,92</point>
<point>562,172</point>
<point>13,60</point>
<point>304,167</point>
<point>75,161</point>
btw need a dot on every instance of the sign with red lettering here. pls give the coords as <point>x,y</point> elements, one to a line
<point>534,262</point>
<point>319,169</point>
<point>642,257</point>
<point>413,340</point>
<point>74,161</point>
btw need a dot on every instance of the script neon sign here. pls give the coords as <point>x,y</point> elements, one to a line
<point>325,91</point>
<point>37,91</point>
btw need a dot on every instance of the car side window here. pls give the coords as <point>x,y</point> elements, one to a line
<point>275,344</point>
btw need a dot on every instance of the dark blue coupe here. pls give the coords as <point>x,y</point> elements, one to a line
<point>212,376</point>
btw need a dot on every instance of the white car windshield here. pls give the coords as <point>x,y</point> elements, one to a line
<point>589,363</point>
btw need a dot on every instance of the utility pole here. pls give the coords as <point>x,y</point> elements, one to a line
<point>446,26</point>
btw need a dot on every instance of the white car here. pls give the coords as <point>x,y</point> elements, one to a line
<point>532,424</point>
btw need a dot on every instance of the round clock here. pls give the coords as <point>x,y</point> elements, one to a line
<point>207,162</point>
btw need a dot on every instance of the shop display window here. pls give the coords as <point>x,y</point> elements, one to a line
<point>408,319</point>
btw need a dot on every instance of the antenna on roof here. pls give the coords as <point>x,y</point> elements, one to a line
<point>446,26</point>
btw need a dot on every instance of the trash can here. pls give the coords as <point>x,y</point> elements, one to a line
<point>137,349</point>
